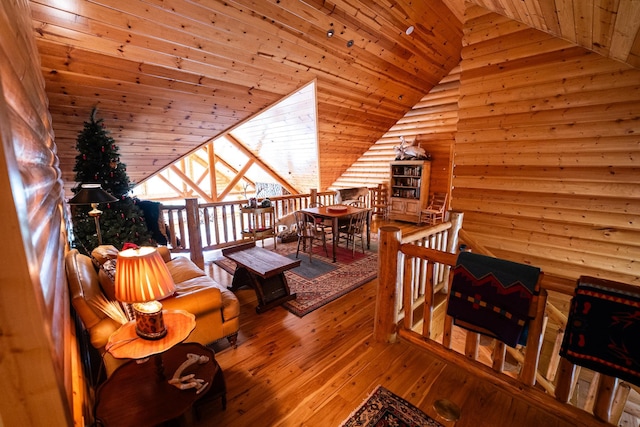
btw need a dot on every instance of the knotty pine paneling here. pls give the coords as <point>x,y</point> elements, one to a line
<point>37,344</point>
<point>432,123</point>
<point>608,28</point>
<point>546,153</point>
<point>186,72</point>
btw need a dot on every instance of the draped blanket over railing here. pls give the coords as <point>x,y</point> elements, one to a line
<point>412,302</point>
<point>493,296</point>
<point>603,332</point>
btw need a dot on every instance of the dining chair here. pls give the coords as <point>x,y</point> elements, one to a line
<point>380,203</point>
<point>354,229</point>
<point>324,224</point>
<point>309,231</point>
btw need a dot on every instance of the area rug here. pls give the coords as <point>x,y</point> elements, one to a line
<point>321,281</point>
<point>383,408</point>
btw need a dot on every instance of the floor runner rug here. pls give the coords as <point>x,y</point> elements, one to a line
<point>383,408</point>
<point>320,281</point>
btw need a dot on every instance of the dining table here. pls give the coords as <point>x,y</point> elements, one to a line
<point>335,213</point>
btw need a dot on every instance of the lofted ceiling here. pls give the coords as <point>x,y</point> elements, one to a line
<point>167,76</point>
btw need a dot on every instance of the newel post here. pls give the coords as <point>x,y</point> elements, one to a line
<point>384,326</point>
<point>193,228</point>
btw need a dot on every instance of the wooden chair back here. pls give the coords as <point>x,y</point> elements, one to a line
<point>308,229</point>
<point>355,229</point>
<point>436,209</point>
<point>380,202</point>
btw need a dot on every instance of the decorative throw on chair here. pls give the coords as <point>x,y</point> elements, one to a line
<point>493,296</point>
<point>603,328</point>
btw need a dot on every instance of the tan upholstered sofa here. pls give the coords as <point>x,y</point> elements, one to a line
<point>215,307</point>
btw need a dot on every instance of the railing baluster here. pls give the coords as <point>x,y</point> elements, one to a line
<point>172,235</point>
<point>207,225</point>
<point>221,220</point>
<point>184,239</point>
<point>216,225</point>
<point>428,301</point>
<point>408,296</point>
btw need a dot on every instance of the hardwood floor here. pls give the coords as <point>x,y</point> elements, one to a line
<point>315,370</point>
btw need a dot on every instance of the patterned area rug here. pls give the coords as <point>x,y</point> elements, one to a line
<point>384,408</point>
<point>321,281</point>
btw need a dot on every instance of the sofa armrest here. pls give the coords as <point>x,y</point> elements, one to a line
<point>99,333</point>
<point>164,253</point>
<point>197,300</point>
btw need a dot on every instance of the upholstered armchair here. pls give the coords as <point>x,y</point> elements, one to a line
<point>216,309</point>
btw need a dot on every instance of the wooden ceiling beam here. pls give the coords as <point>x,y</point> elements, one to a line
<point>212,170</point>
<point>236,179</point>
<point>170,184</point>
<point>188,181</point>
<point>260,163</point>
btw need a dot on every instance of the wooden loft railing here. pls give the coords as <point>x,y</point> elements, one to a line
<point>195,228</point>
<point>413,280</point>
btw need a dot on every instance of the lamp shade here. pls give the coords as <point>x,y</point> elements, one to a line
<point>142,275</point>
<point>91,193</point>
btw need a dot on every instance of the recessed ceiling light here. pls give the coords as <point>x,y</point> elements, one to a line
<point>350,43</point>
<point>330,33</point>
<point>409,30</point>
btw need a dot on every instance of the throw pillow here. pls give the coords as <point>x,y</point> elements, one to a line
<point>107,276</point>
<point>103,253</point>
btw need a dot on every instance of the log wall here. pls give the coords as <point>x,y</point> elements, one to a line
<point>431,123</point>
<point>546,154</point>
<point>36,338</point>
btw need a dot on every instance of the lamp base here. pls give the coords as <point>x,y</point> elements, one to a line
<point>149,320</point>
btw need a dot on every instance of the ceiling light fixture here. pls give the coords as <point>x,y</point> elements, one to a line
<point>330,33</point>
<point>350,43</point>
<point>409,30</point>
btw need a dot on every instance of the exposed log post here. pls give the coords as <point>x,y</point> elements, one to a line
<point>313,197</point>
<point>384,326</point>
<point>211,152</point>
<point>193,228</point>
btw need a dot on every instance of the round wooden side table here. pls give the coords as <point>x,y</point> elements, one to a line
<point>137,395</point>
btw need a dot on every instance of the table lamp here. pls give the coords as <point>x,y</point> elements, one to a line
<point>142,278</point>
<point>92,194</point>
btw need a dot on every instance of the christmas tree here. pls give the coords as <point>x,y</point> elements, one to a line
<point>98,162</point>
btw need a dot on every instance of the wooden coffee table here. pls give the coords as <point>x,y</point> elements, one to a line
<point>262,270</point>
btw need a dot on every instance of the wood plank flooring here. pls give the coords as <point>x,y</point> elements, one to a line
<point>315,370</point>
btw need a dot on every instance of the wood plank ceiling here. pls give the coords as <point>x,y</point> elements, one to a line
<point>169,75</point>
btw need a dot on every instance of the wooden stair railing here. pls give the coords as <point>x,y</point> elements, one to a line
<point>531,385</point>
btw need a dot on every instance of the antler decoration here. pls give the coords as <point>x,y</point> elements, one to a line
<point>189,381</point>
